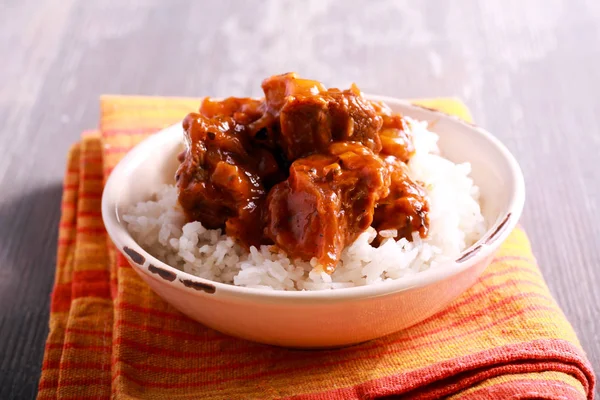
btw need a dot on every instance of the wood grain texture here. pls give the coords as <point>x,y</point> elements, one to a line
<point>529,71</point>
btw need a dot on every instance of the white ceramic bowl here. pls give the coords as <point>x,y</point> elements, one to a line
<point>321,318</point>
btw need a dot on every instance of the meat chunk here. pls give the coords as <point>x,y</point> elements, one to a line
<point>278,88</point>
<point>327,201</point>
<point>220,178</point>
<point>306,168</point>
<point>246,112</point>
<point>406,206</point>
<point>396,136</point>
<point>243,110</point>
<point>303,118</point>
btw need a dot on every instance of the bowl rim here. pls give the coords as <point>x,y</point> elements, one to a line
<point>485,246</point>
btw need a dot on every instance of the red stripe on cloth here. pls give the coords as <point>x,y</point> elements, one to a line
<point>88,195</point>
<point>114,288</point>
<point>91,275</point>
<point>92,230</point>
<point>168,385</point>
<point>66,241</point>
<point>54,364</point>
<point>61,298</point>
<point>546,389</point>
<point>91,283</point>
<point>89,214</point>
<point>471,378</point>
<point>509,270</point>
<point>52,346</point>
<point>455,382</point>
<point>99,290</point>
<point>47,383</point>
<point>501,259</point>
<point>561,353</point>
<point>78,346</point>
<point>87,229</point>
<point>91,160</point>
<point>122,262</point>
<point>68,224</point>
<point>74,382</point>
<point>161,331</point>
<point>86,397</point>
<point>89,332</point>
<point>95,177</point>
<point>123,305</point>
<point>85,175</point>
<point>251,348</point>
<point>92,149</point>
<point>191,370</point>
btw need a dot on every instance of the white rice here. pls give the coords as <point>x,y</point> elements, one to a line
<point>455,222</point>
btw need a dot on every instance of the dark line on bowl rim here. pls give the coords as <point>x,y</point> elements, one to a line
<point>201,286</point>
<point>469,254</point>
<point>498,229</point>
<point>163,273</point>
<point>134,255</point>
<point>427,108</point>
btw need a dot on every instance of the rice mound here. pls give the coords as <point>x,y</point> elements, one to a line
<point>455,222</point>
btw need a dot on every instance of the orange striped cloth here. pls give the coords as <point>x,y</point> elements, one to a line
<point>111,337</point>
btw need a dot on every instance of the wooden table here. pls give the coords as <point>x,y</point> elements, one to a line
<point>529,71</point>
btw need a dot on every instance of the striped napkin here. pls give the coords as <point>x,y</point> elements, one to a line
<point>112,337</point>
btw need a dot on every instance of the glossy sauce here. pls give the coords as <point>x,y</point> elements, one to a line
<point>305,168</point>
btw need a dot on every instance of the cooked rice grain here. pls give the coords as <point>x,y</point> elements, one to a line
<point>455,223</point>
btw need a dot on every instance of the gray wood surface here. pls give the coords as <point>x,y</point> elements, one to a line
<point>529,70</point>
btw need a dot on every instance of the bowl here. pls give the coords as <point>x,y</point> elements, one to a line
<point>331,318</point>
